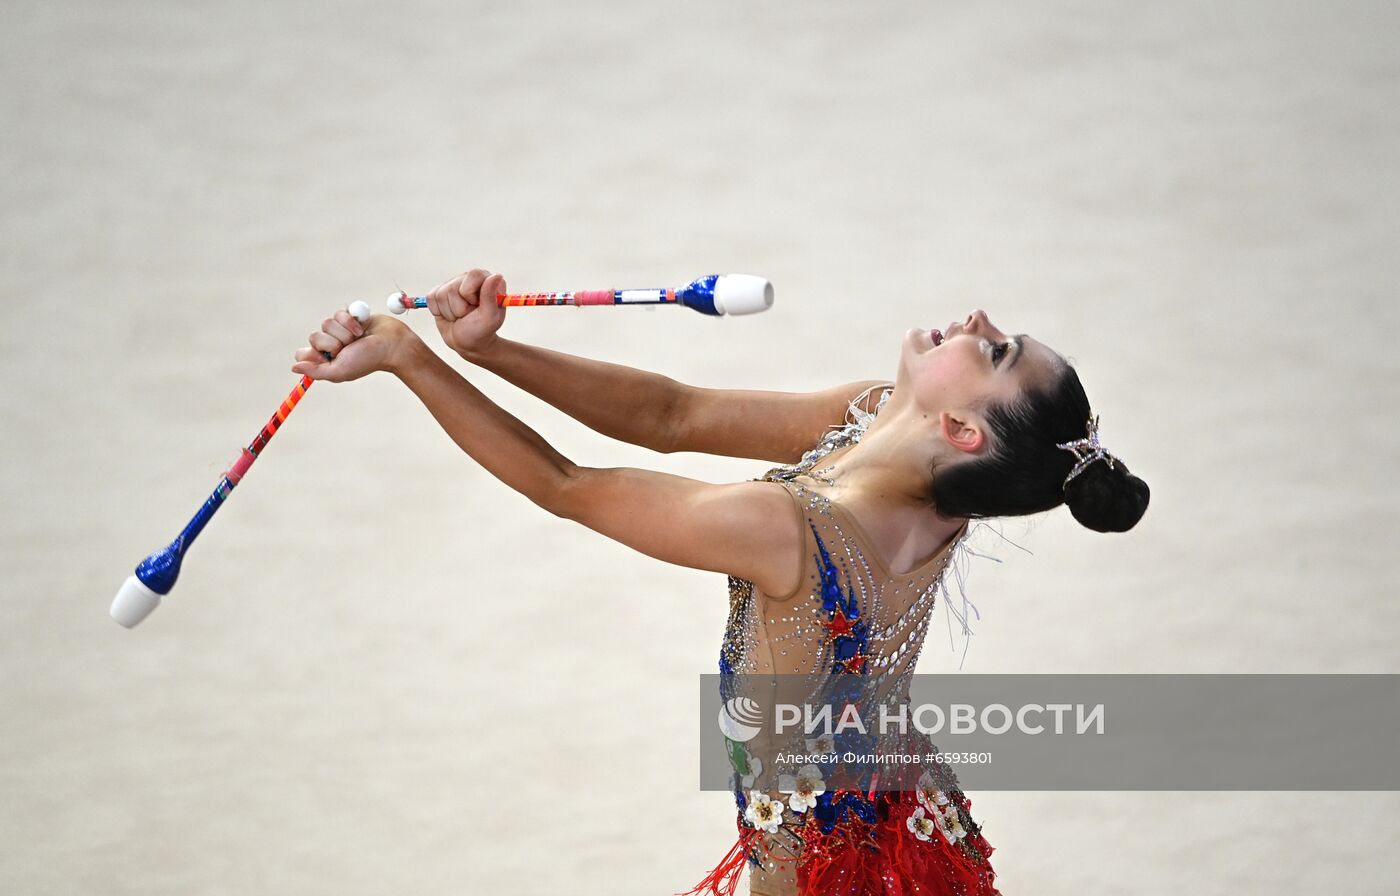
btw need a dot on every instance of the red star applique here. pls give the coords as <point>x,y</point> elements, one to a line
<point>838,625</point>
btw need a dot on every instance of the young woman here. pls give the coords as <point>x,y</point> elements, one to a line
<point>832,568</point>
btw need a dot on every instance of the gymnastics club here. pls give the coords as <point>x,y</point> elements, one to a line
<point>714,294</point>
<point>140,594</point>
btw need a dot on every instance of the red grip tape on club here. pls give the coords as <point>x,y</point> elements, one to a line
<point>240,466</point>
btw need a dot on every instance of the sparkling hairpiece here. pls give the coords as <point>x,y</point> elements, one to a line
<point>1086,451</point>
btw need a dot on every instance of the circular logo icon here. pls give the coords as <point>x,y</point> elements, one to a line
<point>740,719</point>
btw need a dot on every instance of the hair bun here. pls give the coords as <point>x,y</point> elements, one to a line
<point>1107,499</point>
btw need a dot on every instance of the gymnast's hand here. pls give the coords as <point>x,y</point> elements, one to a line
<point>356,349</point>
<point>465,312</point>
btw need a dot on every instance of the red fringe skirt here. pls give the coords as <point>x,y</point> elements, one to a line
<point>856,858</point>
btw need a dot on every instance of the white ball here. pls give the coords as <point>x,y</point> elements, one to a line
<point>360,311</point>
<point>395,302</point>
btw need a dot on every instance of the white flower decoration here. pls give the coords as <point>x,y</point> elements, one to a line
<point>930,797</point>
<point>805,787</point>
<point>755,769</point>
<point>952,828</point>
<point>922,825</point>
<point>764,813</point>
<point>823,743</point>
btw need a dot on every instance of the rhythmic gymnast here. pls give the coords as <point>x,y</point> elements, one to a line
<point>833,557</point>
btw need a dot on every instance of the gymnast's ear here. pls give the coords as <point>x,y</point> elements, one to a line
<point>962,432</point>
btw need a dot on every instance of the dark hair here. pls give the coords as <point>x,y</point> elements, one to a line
<point>1024,471</point>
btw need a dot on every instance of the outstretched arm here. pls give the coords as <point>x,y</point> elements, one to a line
<point>632,405</point>
<point>774,426</point>
<point>659,413</point>
<point>746,529</point>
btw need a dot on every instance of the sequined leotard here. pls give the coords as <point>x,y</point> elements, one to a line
<point>848,616</point>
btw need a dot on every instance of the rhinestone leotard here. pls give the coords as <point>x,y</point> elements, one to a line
<point>849,615</point>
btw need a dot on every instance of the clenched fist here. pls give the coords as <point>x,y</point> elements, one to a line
<point>465,311</point>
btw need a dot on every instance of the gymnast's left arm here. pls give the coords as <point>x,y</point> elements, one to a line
<point>746,529</point>
<point>507,448</point>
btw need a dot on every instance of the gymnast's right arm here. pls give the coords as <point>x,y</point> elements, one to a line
<point>632,405</point>
<point>746,529</point>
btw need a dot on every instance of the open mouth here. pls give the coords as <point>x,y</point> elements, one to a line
<point>936,335</point>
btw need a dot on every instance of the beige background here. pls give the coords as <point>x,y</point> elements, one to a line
<point>383,672</point>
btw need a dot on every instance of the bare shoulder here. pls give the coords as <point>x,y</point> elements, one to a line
<point>778,529</point>
<point>745,529</point>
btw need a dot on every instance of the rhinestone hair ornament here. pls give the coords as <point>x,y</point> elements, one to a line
<point>1086,451</point>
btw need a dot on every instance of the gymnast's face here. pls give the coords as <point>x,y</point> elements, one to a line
<point>952,375</point>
